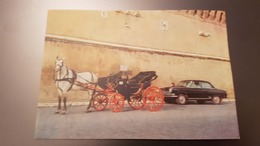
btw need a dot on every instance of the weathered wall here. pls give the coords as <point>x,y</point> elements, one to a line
<point>143,31</point>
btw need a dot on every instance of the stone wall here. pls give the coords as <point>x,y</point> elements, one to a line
<point>162,30</point>
<point>85,49</point>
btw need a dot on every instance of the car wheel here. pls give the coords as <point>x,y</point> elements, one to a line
<point>216,100</point>
<point>181,99</point>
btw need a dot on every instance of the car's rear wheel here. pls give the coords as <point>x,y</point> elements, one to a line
<point>181,99</point>
<point>216,100</point>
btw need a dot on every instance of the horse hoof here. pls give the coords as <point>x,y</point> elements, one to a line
<point>57,112</point>
<point>63,112</point>
<point>88,110</point>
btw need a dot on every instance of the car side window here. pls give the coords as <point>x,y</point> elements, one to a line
<point>195,85</point>
<point>206,85</point>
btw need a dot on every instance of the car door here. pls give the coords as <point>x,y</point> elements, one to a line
<point>207,88</point>
<point>195,90</point>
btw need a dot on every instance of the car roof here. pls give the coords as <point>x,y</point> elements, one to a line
<point>196,80</point>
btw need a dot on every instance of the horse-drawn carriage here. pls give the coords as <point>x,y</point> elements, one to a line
<point>137,91</point>
<point>112,90</point>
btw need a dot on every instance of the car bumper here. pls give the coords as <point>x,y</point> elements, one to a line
<point>169,95</point>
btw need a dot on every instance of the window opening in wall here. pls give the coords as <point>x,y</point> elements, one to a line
<point>164,25</point>
<point>195,12</point>
<point>104,14</point>
<point>220,17</point>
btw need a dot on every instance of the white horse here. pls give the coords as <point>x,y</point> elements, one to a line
<point>67,79</point>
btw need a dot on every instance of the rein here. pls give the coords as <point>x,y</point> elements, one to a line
<point>70,80</point>
<point>67,79</point>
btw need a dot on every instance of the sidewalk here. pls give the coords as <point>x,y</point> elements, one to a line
<point>68,104</point>
<point>54,104</point>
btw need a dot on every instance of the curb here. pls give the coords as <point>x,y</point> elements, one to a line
<point>42,105</point>
<point>68,104</point>
<point>229,100</point>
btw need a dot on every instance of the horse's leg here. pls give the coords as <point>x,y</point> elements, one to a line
<point>90,102</point>
<point>64,99</point>
<point>59,104</point>
<point>91,99</point>
<point>65,106</point>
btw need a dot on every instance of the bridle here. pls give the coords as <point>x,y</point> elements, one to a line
<point>64,77</point>
<point>60,66</point>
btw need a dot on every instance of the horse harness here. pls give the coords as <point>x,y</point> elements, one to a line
<point>67,78</point>
<point>72,79</point>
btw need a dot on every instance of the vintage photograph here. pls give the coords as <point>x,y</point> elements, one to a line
<point>136,74</point>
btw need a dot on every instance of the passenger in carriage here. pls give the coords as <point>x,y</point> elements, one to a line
<point>124,75</point>
<point>122,84</point>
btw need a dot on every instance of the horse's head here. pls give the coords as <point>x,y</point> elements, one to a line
<point>59,63</point>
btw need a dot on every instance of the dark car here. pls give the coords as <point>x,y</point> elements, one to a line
<point>198,90</point>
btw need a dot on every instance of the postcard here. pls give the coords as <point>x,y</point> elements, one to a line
<point>136,74</point>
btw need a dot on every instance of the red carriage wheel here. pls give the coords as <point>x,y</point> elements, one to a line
<point>136,102</point>
<point>116,102</point>
<point>100,101</point>
<point>153,98</point>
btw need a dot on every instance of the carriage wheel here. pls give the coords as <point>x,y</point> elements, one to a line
<point>153,98</point>
<point>116,102</point>
<point>100,101</point>
<point>136,102</point>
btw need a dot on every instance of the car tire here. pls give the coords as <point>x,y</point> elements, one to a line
<point>181,99</point>
<point>216,100</point>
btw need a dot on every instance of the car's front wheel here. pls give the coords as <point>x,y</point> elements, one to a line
<point>181,99</point>
<point>216,100</point>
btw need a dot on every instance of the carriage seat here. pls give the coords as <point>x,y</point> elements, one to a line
<point>139,90</point>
